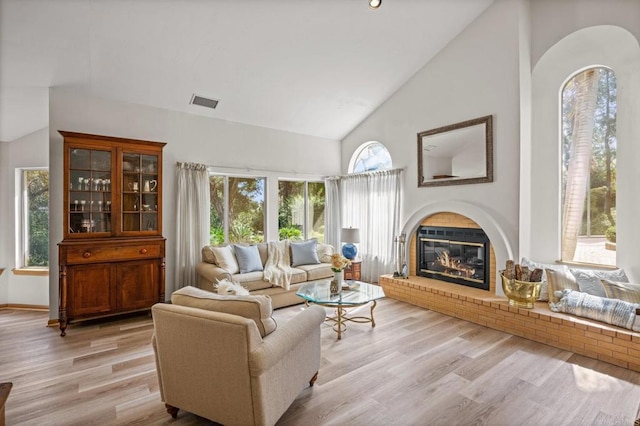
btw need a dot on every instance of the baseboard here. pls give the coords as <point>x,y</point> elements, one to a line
<point>27,307</point>
<point>53,323</point>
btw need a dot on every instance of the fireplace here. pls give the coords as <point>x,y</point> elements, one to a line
<point>456,255</point>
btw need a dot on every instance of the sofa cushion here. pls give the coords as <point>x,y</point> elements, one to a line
<point>560,280</point>
<point>223,256</point>
<point>252,280</point>
<point>621,290</point>
<point>304,253</point>
<point>298,276</point>
<point>324,252</point>
<point>208,256</point>
<point>263,249</point>
<point>544,292</point>
<point>317,272</point>
<point>248,258</point>
<point>589,280</point>
<point>254,307</point>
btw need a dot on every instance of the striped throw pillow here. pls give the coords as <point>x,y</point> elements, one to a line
<point>621,290</point>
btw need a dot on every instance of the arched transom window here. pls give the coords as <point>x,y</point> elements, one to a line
<point>370,156</point>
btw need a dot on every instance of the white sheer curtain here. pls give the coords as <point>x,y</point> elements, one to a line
<point>332,212</point>
<point>370,202</point>
<point>192,220</point>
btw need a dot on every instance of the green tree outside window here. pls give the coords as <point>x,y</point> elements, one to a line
<point>36,218</point>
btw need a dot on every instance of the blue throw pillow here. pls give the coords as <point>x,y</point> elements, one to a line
<point>248,258</point>
<point>304,253</point>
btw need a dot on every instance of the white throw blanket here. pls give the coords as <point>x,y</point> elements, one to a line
<point>277,269</point>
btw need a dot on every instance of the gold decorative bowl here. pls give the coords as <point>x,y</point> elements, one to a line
<point>521,294</point>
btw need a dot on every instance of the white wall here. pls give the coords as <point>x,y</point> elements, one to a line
<point>552,20</point>
<point>477,74</point>
<point>602,45</point>
<point>434,166</point>
<point>189,138</point>
<point>488,69</point>
<point>566,37</point>
<point>470,161</point>
<point>31,150</point>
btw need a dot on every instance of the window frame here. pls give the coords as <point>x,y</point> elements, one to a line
<point>305,225</point>
<point>225,195</point>
<point>361,149</point>
<point>561,181</point>
<point>22,224</point>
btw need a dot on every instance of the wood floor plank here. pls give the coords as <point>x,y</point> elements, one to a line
<point>416,367</point>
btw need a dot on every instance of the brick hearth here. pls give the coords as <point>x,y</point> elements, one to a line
<point>589,338</point>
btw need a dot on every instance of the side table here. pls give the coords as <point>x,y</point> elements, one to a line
<point>352,273</point>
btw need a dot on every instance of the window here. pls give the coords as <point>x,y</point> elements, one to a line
<point>34,218</point>
<point>589,167</point>
<point>300,210</point>
<point>237,209</point>
<point>370,156</point>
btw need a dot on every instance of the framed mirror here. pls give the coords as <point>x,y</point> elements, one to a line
<point>456,154</point>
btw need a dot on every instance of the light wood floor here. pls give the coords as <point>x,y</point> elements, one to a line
<point>416,367</point>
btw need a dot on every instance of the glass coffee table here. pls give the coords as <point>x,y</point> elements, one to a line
<point>358,294</point>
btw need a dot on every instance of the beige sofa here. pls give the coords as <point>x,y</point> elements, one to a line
<point>213,269</point>
<point>223,358</point>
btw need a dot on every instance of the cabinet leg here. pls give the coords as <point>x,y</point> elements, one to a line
<point>173,411</point>
<point>63,323</point>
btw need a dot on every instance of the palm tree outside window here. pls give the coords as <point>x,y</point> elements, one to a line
<point>588,165</point>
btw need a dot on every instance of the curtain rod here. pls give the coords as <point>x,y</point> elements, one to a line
<point>318,176</point>
<point>373,172</point>
<point>249,169</point>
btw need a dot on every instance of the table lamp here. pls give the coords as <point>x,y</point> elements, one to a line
<point>350,236</point>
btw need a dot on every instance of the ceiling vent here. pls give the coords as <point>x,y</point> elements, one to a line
<point>205,102</point>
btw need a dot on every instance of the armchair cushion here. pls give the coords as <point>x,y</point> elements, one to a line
<point>257,308</point>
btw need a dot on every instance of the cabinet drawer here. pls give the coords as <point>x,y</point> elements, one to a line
<point>89,254</point>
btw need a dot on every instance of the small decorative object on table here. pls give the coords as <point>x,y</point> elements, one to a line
<point>338,264</point>
<point>521,285</point>
<point>333,287</point>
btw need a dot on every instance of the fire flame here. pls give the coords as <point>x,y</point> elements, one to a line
<point>455,265</point>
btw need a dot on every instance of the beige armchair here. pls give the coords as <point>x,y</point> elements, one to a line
<point>218,366</point>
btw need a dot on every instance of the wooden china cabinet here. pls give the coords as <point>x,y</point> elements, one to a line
<point>112,257</point>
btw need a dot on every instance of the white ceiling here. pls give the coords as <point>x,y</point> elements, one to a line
<point>312,67</point>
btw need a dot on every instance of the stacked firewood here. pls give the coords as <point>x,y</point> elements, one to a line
<point>522,273</point>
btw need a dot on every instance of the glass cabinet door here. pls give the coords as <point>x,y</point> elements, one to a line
<point>89,191</point>
<point>139,192</point>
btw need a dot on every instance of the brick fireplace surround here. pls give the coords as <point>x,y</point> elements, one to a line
<point>593,339</point>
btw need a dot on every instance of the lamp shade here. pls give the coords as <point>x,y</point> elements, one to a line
<point>350,235</point>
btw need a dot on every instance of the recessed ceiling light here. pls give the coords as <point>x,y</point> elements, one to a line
<point>374,4</point>
<point>202,101</point>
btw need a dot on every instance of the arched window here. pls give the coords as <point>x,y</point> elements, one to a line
<point>370,156</point>
<point>588,165</point>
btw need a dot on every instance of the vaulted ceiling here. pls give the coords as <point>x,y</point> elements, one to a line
<point>311,67</point>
